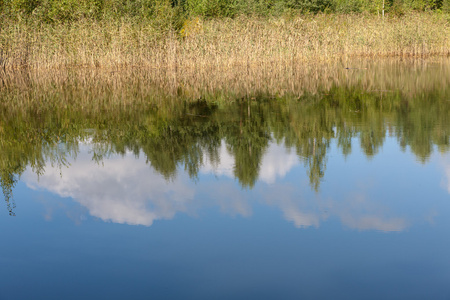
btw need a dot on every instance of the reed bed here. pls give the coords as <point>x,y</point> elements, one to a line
<point>220,45</point>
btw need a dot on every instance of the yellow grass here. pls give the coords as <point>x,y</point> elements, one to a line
<point>221,44</point>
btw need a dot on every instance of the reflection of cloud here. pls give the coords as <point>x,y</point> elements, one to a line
<point>446,164</point>
<point>124,190</point>
<point>127,190</point>
<point>373,222</point>
<point>355,212</point>
<point>358,212</point>
<point>301,212</point>
<point>301,219</point>
<point>276,163</point>
<point>223,167</point>
<point>231,201</point>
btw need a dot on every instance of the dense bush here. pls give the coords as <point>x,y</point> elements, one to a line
<point>446,6</point>
<point>173,12</point>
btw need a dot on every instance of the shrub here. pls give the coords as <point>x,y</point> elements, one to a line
<point>24,6</point>
<point>446,6</point>
<point>211,8</point>
<point>70,10</point>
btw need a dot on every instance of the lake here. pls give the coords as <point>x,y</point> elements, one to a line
<point>327,183</point>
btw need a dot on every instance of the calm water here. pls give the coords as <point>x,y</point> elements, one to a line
<point>338,193</point>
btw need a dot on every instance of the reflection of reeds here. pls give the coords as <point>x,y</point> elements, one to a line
<point>222,44</point>
<point>104,89</point>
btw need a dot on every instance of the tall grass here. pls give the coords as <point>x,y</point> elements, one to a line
<point>220,44</point>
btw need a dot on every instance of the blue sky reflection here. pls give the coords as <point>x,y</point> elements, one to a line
<point>126,190</point>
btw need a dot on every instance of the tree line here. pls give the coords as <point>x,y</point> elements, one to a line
<point>178,10</point>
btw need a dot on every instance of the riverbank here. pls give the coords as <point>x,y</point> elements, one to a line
<point>220,43</point>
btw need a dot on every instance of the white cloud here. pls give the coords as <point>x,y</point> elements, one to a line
<point>224,167</point>
<point>355,211</point>
<point>127,190</point>
<point>276,163</point>
<point>123,190</point>
<point>446,165</point>
<point>373,222</point>
<point>299,218</point>
<point>298,209</point>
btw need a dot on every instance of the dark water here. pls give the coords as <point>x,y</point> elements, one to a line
<point>341,193</point>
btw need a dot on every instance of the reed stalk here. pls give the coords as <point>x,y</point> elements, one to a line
<point>220,44</point>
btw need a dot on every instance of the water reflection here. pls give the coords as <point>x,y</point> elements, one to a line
<point>124,189</point>
<point>275,163</point>
<point>87,151</point>
<point>121,190</point>
<point>446,167</point>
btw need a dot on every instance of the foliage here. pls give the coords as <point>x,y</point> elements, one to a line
<point>70,10</point>
<point>446,6</point>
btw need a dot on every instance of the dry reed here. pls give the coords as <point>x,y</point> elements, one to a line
<point>221,44</point>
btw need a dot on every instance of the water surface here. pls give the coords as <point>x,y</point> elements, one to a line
<point>336,190</point>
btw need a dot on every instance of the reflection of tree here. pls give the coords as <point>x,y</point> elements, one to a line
<point>183,134</point>
<point>316,161</point>
<point>312,143</point>
<point>344,139</point>
<point>8,181</point>
<point>247,138</point>
<point>423,123</point>
<point>371,140</point>
<point>181,141</point>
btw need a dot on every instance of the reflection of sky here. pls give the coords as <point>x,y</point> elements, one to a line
<point>276,163</point>
<point>127,190</point>
<point>123,190</point>
<point>446,166</point>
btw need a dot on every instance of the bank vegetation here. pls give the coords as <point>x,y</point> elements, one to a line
<point>185,36</point>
